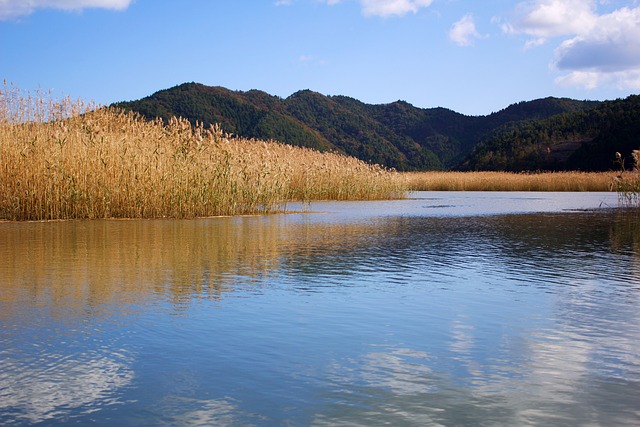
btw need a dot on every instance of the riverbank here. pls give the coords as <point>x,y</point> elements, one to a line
<point>62,160</point>
<point>508,181</point>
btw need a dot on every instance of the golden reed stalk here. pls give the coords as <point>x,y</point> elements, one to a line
<point>507,181</point>
<point>66,160</point>
<point>627,183</point>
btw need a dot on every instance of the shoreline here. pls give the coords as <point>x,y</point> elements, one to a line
<point>570,181</point>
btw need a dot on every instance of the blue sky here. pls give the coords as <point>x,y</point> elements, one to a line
<point>474,57</point>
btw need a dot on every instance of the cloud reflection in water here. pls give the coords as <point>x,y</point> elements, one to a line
<point>48,387</point>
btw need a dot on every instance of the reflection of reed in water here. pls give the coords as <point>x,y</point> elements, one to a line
<point>94,262</point>
<point>624,234</point>
<point>83,265</point>
<point>625,231</point>
<point>74,266</point>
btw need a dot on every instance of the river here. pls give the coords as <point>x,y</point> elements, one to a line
<point>477,309</point>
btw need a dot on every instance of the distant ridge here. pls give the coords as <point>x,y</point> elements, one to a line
<point>543,134</point>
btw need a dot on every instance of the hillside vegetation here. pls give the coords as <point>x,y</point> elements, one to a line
<point>397,135</point>
<point>582,140</point>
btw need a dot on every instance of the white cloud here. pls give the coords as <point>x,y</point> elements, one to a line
<point>596,50</point>
<point>629,79</point>
<point>613,44</point>
<point>545,19</point>
<point>608,54</point>
<point>464,32</point>
<point>10,9</point>
<point>387,8</point>
<point>584,79</point>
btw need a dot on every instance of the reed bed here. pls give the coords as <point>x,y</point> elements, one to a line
<point>627,183</point>
<point>507,181</point>
<point>67,160</point>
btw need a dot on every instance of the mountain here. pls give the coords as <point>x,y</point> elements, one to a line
<point>584,140</point>
<point>403,136</point>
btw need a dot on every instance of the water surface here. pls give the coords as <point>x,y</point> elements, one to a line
<point>442,309</point>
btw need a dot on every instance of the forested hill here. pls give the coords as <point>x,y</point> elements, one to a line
<point>398,134</point>
<point>582,140</point>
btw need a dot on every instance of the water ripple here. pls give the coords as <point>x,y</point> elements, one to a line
<point>348,318</point>
<point>49,385</point>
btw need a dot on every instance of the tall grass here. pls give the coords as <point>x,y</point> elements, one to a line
<point>627,183</point>
<point>63,160</point>
<point>507,181</point>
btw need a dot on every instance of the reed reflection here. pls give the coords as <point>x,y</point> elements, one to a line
<point>84,265</point>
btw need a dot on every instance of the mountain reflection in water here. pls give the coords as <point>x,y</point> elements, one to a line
<point>323,319</point>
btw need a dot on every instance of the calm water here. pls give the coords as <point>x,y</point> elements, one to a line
<point>444,309</point>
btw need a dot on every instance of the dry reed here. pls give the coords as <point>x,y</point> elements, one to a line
<point>67,160</point>
<point>507,181</point>
<point>627,183</point>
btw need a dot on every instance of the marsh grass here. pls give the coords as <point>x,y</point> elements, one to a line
<point>67,160</point>
<point>507,181</point>
<point>627,183</point>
